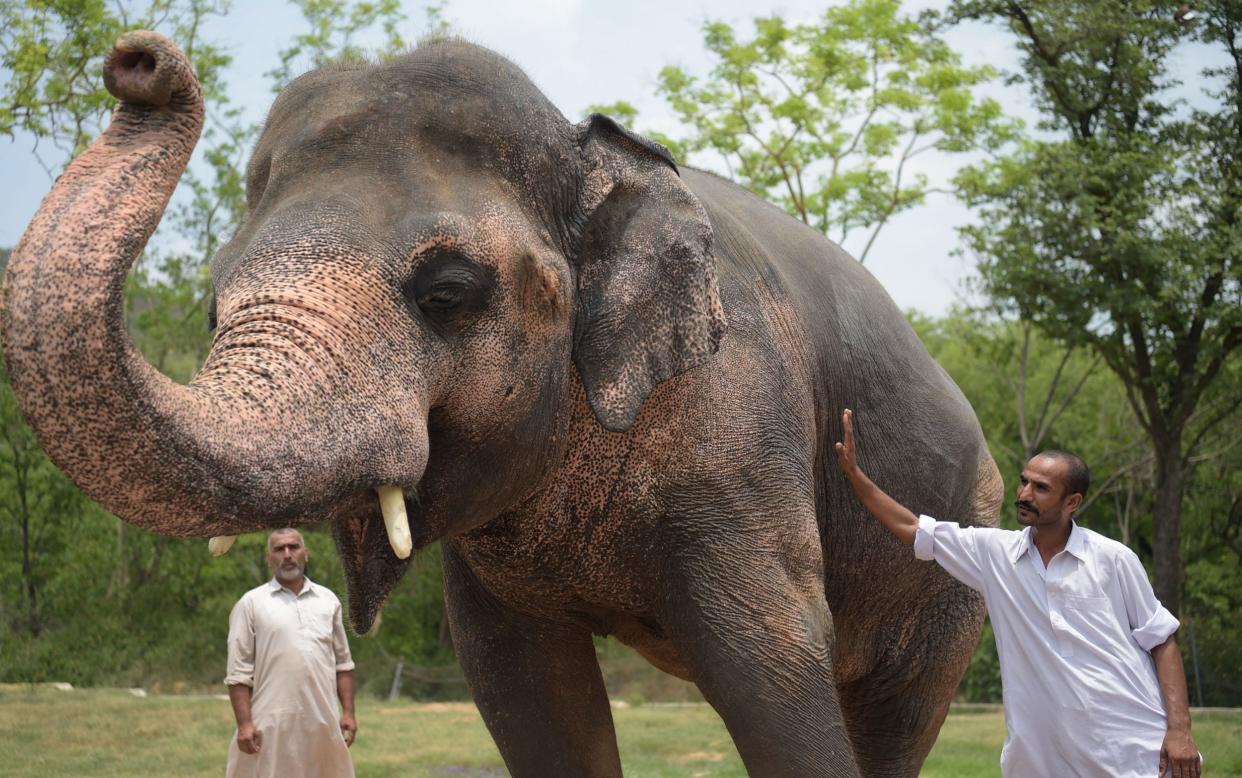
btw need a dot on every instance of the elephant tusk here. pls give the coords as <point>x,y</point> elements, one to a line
<point>220,544</point>
<point>392,503</point>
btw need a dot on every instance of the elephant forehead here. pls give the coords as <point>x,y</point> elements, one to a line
<point>446,101</point>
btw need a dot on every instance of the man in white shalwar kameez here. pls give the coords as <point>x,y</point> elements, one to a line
<point>289,668</point>
<point>1091,674</point>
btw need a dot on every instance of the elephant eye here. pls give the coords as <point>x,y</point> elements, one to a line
<point>443,296</point>
<point>448,287</point>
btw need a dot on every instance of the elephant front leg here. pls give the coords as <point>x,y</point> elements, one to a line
<point>537,684</point>
<point>754,629</point>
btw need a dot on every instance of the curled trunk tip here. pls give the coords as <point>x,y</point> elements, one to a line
<point>145,68</point>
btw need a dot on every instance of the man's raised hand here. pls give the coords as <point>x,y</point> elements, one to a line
<point>846,459</point>
<point>895,517</point>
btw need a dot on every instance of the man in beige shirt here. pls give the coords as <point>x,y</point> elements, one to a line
<point>289,667</point>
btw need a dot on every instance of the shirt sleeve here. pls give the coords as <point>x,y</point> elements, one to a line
<point>953,547</point>
<point>1150,622</point>
<point>340,642</point>
<point>241,645</point>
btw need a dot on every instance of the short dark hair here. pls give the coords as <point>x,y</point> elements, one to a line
<point>1077,475</point>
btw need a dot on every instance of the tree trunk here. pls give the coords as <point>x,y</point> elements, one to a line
<point>1167,521</point>
<point>32,595</point>
<point>119,582</point>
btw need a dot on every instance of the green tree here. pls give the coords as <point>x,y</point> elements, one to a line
<point>1213,543</point>
<point>1001,365</point>
<point>39,510</point>
<point>825,119</point>
<point>334,29</point>
<point>1116,227</point>
<point>1030,393</point>
<point>52,54</point>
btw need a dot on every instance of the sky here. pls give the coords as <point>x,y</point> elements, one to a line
<point>583,52</point>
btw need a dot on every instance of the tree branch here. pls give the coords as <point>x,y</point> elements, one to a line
<point>1226,409</point>
<point>1040,428</point>
<point>1113,478</point>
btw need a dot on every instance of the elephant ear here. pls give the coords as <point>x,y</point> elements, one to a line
<point>648,301</point>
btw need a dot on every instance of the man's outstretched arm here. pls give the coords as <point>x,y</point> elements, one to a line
<point>895,517</point>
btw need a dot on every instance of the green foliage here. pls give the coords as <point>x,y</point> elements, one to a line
<point>623,112</point>
<point>52,54</point>
<point>40,510</point>
<point>1031,392</point>
<point>1213,553</point>
<point>1117,228</point>
<point>335,27</point>
<point>824,119</point>
<point>982,682</point>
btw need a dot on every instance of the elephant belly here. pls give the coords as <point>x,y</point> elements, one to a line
<point>648,640</point>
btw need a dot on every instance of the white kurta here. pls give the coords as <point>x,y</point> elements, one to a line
<point>288,648</point>
<point>1074,641</point>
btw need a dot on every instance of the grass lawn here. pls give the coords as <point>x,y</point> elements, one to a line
<point>44,732</point>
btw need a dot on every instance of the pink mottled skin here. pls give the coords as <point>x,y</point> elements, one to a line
<point>136,440</point>
<point>442,284</point>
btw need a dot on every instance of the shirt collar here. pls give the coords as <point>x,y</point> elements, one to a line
<point>1076,544</point>
<point>307,588</point>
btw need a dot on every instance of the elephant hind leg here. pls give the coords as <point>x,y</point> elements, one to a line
<point>895,708</point>
<point>895,712</point>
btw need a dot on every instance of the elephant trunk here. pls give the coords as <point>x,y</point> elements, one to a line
<point>211,458</point>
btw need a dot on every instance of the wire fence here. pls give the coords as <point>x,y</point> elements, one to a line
<point>423,682</point>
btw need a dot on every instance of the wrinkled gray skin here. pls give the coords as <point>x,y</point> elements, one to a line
<point>611,389</point>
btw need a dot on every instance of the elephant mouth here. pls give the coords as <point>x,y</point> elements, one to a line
<point>370,549</point>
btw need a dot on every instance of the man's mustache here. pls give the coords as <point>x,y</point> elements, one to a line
<point>1028,506</point>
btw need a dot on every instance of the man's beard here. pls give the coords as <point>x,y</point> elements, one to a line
<point>290,573</point>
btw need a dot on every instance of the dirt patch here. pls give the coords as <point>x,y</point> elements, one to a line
<point>698,756</point>
<point>431,707</point>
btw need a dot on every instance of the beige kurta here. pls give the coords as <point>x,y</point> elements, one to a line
<point>288,649</point>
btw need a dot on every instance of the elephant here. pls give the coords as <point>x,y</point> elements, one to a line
<point>607,384</point>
